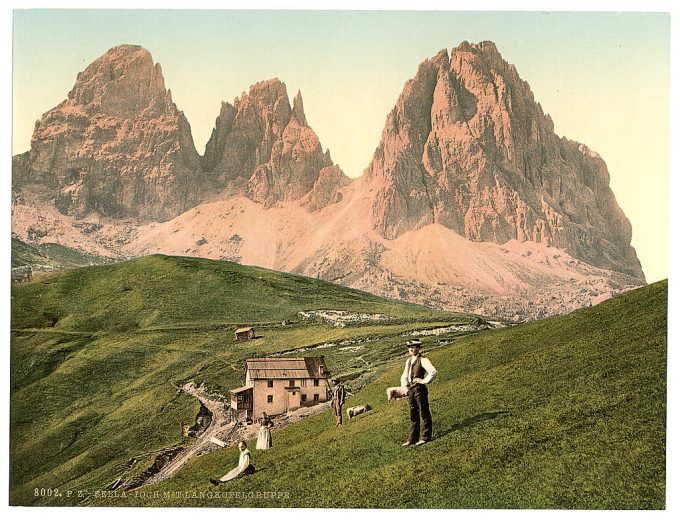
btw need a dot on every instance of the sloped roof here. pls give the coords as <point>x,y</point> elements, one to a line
<point>243,330</point>
<point>241,389</point>
<point>287,368</point>
<point>279,374</point>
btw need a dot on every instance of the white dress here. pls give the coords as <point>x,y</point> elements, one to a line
<point>243,463</point>
<point>264,438</point>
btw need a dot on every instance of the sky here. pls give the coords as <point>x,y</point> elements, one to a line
<point>603,77</point>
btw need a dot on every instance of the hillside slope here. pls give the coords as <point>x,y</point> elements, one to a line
<point>159,291</point>
<point>97,354</point>
<point>564,413</point>
<point>47,257</point>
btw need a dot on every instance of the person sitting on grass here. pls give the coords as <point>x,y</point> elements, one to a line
<point>244,466</point>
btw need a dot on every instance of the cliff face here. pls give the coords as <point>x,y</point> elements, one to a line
<point>471,202</point>
<point>466,146</point>
<point>117,145</point>
<point>263,148</point>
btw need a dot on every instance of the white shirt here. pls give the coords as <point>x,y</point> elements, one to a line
<point>430,372</point>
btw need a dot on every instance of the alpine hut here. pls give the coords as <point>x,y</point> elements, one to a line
<point>278,385</point>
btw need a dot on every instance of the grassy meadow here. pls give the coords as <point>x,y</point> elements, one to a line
<point>566,413</point>
<point>563,413</point>
<point>97,353</point>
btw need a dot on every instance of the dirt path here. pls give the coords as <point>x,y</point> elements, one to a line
<point>225,430</point>
<point>219,427</point>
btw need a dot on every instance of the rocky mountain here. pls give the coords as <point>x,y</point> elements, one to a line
<point>468,147</point>
<point>471,202</point>
<point>117,146</point>
<point>432,265</point>
<point>263,148</point>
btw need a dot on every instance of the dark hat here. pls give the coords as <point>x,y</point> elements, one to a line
<point>413,342</point>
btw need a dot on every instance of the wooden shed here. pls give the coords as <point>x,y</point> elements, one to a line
<point>245,334</point>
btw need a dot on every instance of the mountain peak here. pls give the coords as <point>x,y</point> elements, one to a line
<point>117,145</point>
<point>124,81</point>
<point>299,110</point>
<point>441,59</point>
<point>467,146</point>
<point>487,46</point>
<point>266,92</point>
<point>265,149</point>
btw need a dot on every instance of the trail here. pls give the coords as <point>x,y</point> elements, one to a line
<point>223,428</point>
<point>219,425</point>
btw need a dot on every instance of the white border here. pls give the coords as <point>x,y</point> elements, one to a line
<point>167,515</point>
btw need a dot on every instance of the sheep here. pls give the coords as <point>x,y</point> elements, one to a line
<point>396,392</point>
<point>357,410</point>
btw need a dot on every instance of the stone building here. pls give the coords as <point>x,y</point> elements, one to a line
<point>278,385</point>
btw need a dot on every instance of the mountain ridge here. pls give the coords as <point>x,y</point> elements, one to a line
<point>466,154</point>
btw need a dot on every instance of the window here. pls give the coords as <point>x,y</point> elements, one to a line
<point>270,383</point>
<point>316,397</point>
<point>304,397</point>
<point>303,383</point>
<point>291,383</point>
<point>270,398</point>
<point>316,382</point>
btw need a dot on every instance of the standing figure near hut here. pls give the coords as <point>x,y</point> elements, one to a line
<point>338,401</point>
<point>264,437</point>
<point>244,466</point>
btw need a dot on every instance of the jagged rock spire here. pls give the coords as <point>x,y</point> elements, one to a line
<point>467,146</point>
<point>117,145</point>
<point>265,149</point>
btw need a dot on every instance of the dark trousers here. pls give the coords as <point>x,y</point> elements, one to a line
<point>420,407</point>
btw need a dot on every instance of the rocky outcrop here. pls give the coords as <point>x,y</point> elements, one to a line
<point>326,189</point>
<point>467,146</point>
<point>117,145</point>
<point>471,201</point>
<point>263,148</point>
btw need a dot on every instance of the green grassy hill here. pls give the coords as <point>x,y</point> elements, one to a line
<point>564,413</point>
<point>51,256</point>
<point>96,354</point>
<point>161,291</point>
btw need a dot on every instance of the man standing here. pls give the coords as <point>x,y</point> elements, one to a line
<point>417,373</point>
<point>338,401</point>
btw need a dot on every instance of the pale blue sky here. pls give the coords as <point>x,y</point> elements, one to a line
<point>603,77</point>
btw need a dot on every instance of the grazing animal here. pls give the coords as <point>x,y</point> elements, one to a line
<point>396,392</point>
<point>357,410</point>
